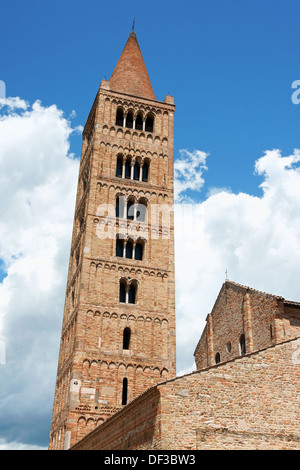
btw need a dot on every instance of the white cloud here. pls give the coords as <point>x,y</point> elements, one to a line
<point>188,170</point>
<point>4,445</point>
<point>37,189</point>
<point>257,239</point>
<point>13,103</point>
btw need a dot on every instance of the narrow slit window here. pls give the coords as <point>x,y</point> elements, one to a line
<point>126,338</point>
<point>124,391</point>
<point>242,345</point>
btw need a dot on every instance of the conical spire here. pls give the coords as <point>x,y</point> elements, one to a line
<point>130,75</point>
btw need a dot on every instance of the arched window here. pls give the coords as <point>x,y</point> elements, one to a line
<point>119,166</point>
<point>128,168</point>
<point>132,294</point>
<point>130,210</point>
<point>136,171</point>
<point>120,205</point>
<point>129,120</point>
<point>139,122</point>
<point>126,338</point>
<point>128,290</point>
<point>242,345</point>
<point>129,249</point>
<point>119,247</point>
<point>141,211</point>
<point>149,124</point>
<point>119,117</point>
<point>139,248</point>
<point>122,293</point>
<point>145,171</point>
<point>217,358</point>
<point>124,391</point>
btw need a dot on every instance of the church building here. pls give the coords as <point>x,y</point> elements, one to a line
<point>116,386</point>
<point>118,331</point>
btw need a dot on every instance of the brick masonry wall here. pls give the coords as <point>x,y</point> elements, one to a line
<point>251,402</point>
<point>92,362</point>
<point>239,310</point>
<point>291,320</point>
<point>137,426</point>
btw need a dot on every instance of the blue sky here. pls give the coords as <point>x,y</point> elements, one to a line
<point>230,66</point>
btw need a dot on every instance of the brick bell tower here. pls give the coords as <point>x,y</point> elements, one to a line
<point>118,331</point>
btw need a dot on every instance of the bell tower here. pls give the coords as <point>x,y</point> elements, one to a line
<point>118,330</point>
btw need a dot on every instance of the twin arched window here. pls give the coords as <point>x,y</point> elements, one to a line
<point>132,169</point>
<point>127,291</point>
<point>131,121</point>
<point>130,249</point>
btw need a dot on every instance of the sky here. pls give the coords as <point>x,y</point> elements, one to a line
<point>231,67</point>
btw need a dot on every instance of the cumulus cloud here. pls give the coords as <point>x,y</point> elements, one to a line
<point>257,239</point>
<point>188,171</point>
<point>13,102</point>
<point>38,177</point>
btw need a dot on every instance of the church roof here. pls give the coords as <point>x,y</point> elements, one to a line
<point>130,75</point>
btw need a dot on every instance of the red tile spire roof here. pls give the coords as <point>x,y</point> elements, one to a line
<point>130,75</point>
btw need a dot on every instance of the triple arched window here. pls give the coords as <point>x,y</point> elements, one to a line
<point>132,249</point>
<point>132,168</point>
<point>131,209</point>
<point>137,121</point>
